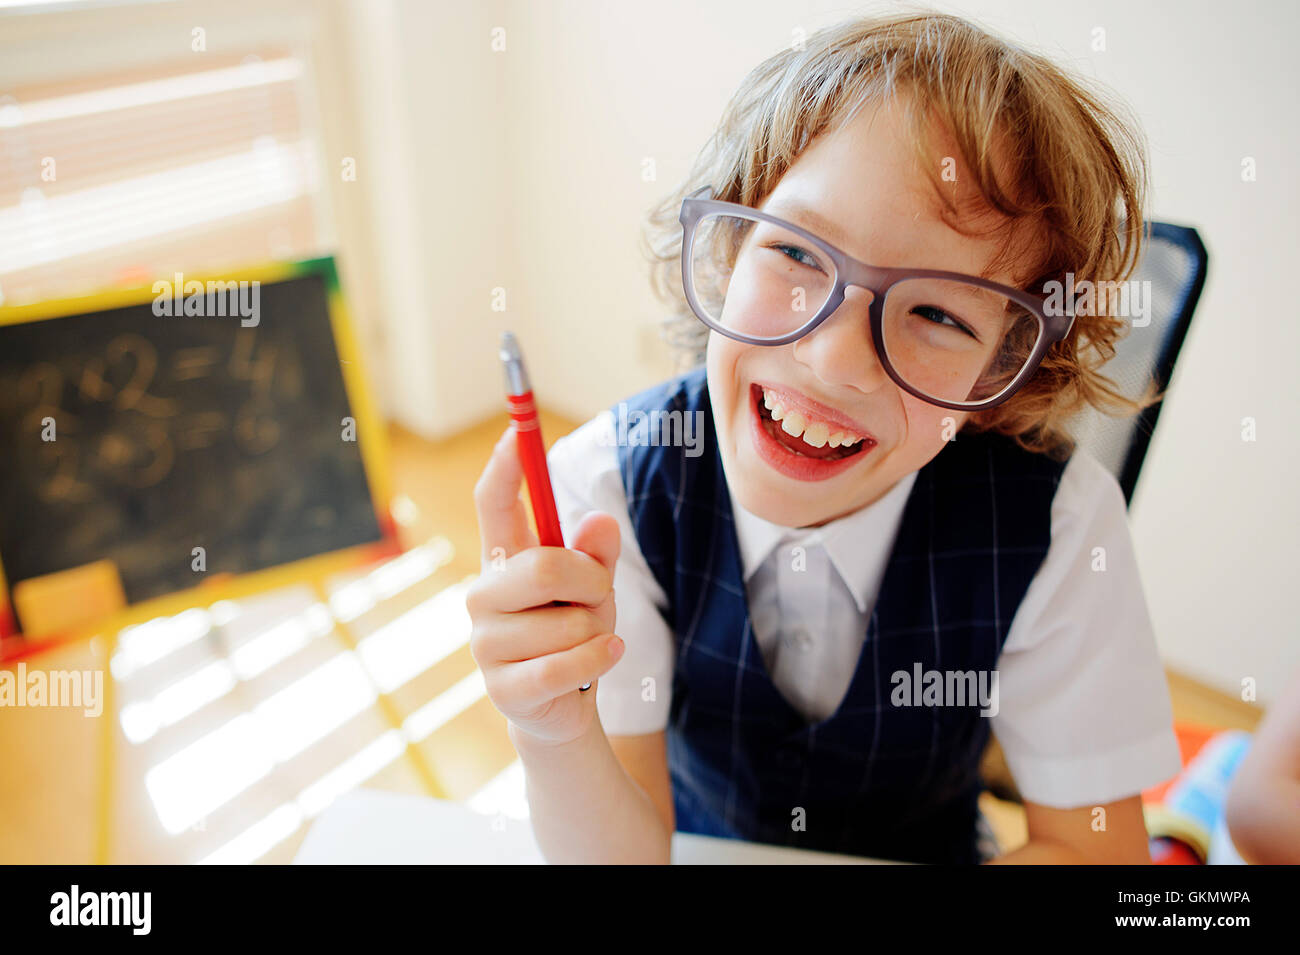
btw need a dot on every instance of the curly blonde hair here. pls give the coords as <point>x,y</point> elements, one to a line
<point>1043,151</point>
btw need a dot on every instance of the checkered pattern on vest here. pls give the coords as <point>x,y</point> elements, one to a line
<point>897,782</point>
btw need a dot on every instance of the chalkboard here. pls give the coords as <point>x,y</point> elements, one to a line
<point>136,435</point>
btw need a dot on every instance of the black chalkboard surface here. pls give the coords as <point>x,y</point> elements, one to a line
<point>136,435</point>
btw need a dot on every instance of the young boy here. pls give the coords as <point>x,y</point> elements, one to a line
<point>855,540</point>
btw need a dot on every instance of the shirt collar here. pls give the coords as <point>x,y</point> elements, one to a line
<point>858,544</point>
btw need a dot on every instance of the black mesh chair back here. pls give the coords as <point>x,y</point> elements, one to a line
<point>1174,261</point>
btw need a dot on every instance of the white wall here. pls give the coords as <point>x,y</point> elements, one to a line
<point>431,122</point>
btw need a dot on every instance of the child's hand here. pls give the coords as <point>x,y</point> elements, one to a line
<point>535,656</point>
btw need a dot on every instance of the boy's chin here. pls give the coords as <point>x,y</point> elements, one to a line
<point>766,494</point>
<point>779,508</point>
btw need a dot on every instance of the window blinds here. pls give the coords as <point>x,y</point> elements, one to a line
<point>117,180</point>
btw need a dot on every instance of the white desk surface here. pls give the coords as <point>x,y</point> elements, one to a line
<point>368,827</point>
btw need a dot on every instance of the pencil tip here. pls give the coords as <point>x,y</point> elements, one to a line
<point>509,347</point>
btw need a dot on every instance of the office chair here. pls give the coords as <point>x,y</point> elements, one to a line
<point>1174,261</point>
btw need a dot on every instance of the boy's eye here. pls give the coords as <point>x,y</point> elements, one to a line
<point>802,256</point>
<point>938,315</point>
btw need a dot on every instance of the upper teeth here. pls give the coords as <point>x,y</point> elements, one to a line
<point>816,433</point>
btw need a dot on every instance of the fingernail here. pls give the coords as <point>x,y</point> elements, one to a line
<point>615,647</point>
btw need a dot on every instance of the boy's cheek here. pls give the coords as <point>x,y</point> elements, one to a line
<point>930,429</point>
<point>722,362</point>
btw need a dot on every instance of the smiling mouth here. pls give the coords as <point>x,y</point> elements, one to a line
<point>797,445</point>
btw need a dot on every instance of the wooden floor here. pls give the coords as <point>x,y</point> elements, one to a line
<point>232,727</point>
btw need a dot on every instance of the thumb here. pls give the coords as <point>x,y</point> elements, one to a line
<point>597,535</point>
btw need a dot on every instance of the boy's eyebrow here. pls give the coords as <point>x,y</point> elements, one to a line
<point>794,209</point>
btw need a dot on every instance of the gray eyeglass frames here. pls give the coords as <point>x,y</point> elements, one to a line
<point>911,341</point>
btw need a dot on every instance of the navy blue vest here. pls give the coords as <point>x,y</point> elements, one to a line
<point>895,782</point>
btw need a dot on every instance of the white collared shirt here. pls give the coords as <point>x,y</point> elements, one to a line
<point>810,593</point>
<point>1083,712</point>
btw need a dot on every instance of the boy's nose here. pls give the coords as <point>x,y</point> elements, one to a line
<point>840,349</point>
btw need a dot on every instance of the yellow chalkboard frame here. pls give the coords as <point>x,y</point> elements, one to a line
<point>371,437</point>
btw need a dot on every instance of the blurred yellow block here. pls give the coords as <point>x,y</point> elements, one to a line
<point>69,599</point>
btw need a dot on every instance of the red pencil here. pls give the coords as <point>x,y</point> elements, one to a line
<point>532,452</point>
<point>528,439</point>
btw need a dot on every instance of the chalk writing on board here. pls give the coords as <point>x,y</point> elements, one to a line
<point>136,438</point>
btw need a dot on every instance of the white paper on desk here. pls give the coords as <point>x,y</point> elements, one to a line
<point>370,827</point>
